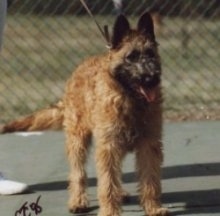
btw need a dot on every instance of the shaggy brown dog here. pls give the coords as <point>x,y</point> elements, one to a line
<point>115,97</point>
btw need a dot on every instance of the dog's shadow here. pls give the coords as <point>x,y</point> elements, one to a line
<point>195,201</point>
<point>195,170</point>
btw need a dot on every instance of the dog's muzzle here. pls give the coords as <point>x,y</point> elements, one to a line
<point>147,82</point>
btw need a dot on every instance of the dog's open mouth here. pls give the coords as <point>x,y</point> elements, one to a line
<point>149,94</point>
<point>144,88</point>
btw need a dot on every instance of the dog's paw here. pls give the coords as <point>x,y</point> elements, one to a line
<point>79,209</point>
<point>79,205</point>
<point>109,211</point>
<point>158,212</point>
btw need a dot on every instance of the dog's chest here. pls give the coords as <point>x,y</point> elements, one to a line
<point>130,129</point>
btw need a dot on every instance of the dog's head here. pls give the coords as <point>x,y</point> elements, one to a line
<point>135,62</point>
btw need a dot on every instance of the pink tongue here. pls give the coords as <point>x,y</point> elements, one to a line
<point>149,94</point>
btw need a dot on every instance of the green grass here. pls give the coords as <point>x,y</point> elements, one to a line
<point>190,56</point>
<point>40,53</point>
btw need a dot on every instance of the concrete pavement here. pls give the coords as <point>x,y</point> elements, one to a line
<point>191,172</point>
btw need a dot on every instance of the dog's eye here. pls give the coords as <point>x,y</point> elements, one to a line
<point>133,56</point>
<point>149,53</point>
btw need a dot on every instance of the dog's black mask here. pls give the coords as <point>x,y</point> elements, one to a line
<point>137,66</point>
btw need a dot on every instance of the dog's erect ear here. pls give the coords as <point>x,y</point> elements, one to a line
<point>146,26</point>
<point>120,30</point>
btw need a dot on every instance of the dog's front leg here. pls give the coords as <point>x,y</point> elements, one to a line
<point>148,161</point>
<point>108,161</point>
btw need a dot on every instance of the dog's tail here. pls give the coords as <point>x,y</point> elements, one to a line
<point>50,118</point>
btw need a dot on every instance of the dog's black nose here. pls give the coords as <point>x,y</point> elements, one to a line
<point>151,80</point>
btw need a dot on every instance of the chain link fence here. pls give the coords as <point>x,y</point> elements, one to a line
<point>45,40</point>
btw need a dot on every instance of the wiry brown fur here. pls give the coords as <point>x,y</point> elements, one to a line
<point>116,98</point>
<point>48,118</point>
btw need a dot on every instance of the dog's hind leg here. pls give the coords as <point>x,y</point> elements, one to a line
<point>77,144</point>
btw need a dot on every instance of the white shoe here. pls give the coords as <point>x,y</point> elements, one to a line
<point>8,187</point>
